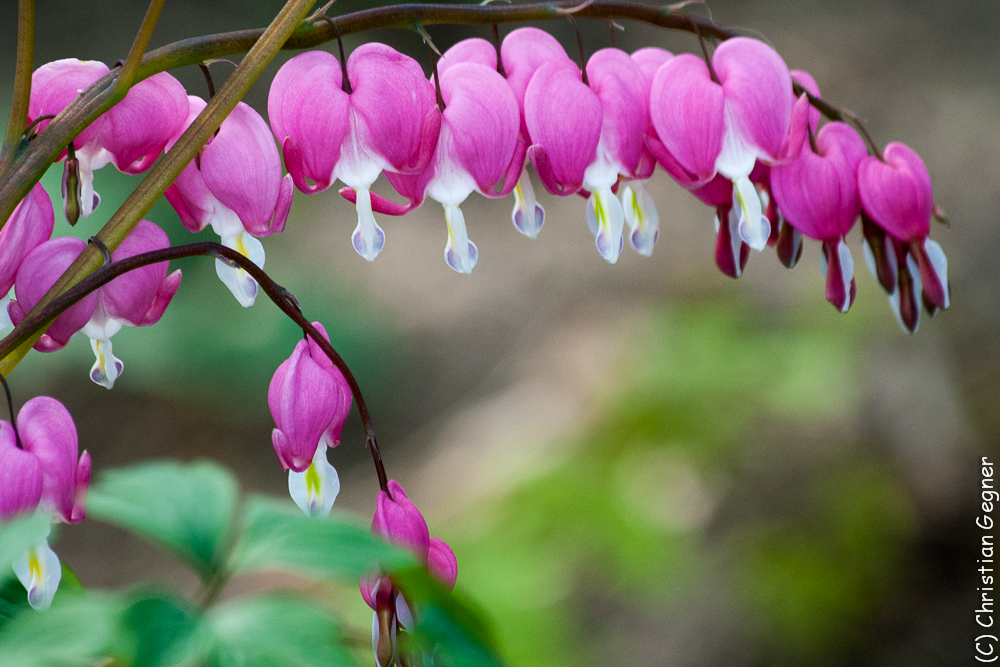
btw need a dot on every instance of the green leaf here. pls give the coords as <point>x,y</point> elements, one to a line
<point>157,631</point>
<point>17,536</point>
<point>449,627</point>
<point>76,630</point>
<point>279,536</point>
<point>187,509</point>
<point>274,631</point>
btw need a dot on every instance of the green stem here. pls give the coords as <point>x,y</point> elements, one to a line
<point>18,118</point>
<point>166,170</point>
<point>134,57</point>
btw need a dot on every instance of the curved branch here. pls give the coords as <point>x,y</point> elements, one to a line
<point>281,297</point>
<point>101,96</point>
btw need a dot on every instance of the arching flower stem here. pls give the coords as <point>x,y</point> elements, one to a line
<point>281,297</point>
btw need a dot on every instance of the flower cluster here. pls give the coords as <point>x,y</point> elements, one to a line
<point>730,130</point>
<point>40,472</point>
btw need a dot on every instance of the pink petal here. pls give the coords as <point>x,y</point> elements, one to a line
<point>343,399</point>
<point>398,521</point>
<point>242,169</point>
<point>82,486</point>
<point>37,274</point>
<point>472,50</point>
<point>620,86</point>
<point>649,60</point>
<point>20,476</point>
<point>137,129</point>
<point>806,80</point>
<point>564,117</point>
<point>897,193</point>
<point>164,295</point>
<point>758,91</point>
<point>442,563</point>
<point>482,116</point>
<point>302,400</point>
<point>382,205</point>
<point>523,51</point>
<point>29,226</point>
<point>129,297</point>
<point>56,84</point>
<point>310,116</point>
<point>47,431</point>
<point>687,110</point>
<point>391,99</point>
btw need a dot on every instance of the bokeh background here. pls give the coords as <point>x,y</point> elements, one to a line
<point>646,463</point>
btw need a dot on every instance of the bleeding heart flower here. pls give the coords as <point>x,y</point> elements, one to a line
<point>136,299</point>
<point>707,126</point>
<point>39,471</point>
<point>589,135</point>
<point>388,122</point>
<point>130,135</point>
<point>897,196</point>
<point>235,185</point>
<point>818,194</point>
<point>523,51</point>
<point>476,150</point>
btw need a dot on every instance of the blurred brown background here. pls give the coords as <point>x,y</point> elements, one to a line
<point>646,463</point>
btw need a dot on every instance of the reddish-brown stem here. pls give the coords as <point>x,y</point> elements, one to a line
<point>278,294</point>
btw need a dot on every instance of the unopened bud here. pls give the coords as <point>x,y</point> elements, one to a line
<point>71,189</point>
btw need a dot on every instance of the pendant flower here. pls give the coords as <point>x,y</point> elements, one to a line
<point>897,196</point>
<point>477,148</point>
<point>136,299</point>
<point>398,521</point>
<point>309,399</point>
<point>818,194</point>
<point>523,51</point>
<point>130,135</point>
<point>388,122</point>
<point>235,185</point>
<point>588,136</point>
<point>725,119</point>
<point>39,471</point>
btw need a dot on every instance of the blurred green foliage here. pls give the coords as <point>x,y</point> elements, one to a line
<point>687,482</point>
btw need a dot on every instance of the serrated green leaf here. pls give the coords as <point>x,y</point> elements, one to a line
<point>449,627</point>
<point>274,631</point>
<point>186,508</point>
<point>76,630</point>
<point>279,536</point>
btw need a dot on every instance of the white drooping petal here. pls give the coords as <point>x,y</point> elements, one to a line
<point>754,226</point>
<point>460,253</point>
<point>90,161</point>
<point>4,315</point>
<point>239,282</point>
<point>873,267</point>
<point>368,237</point>
<point>939,264</point>
<point>606,220</point>
<point>528,215</point>
<point>641,216</point>
<point>40,572</point>
<point>108,367</point>
<point>315,490</point>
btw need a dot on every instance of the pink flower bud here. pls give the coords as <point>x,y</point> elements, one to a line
<point>398,521</point>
